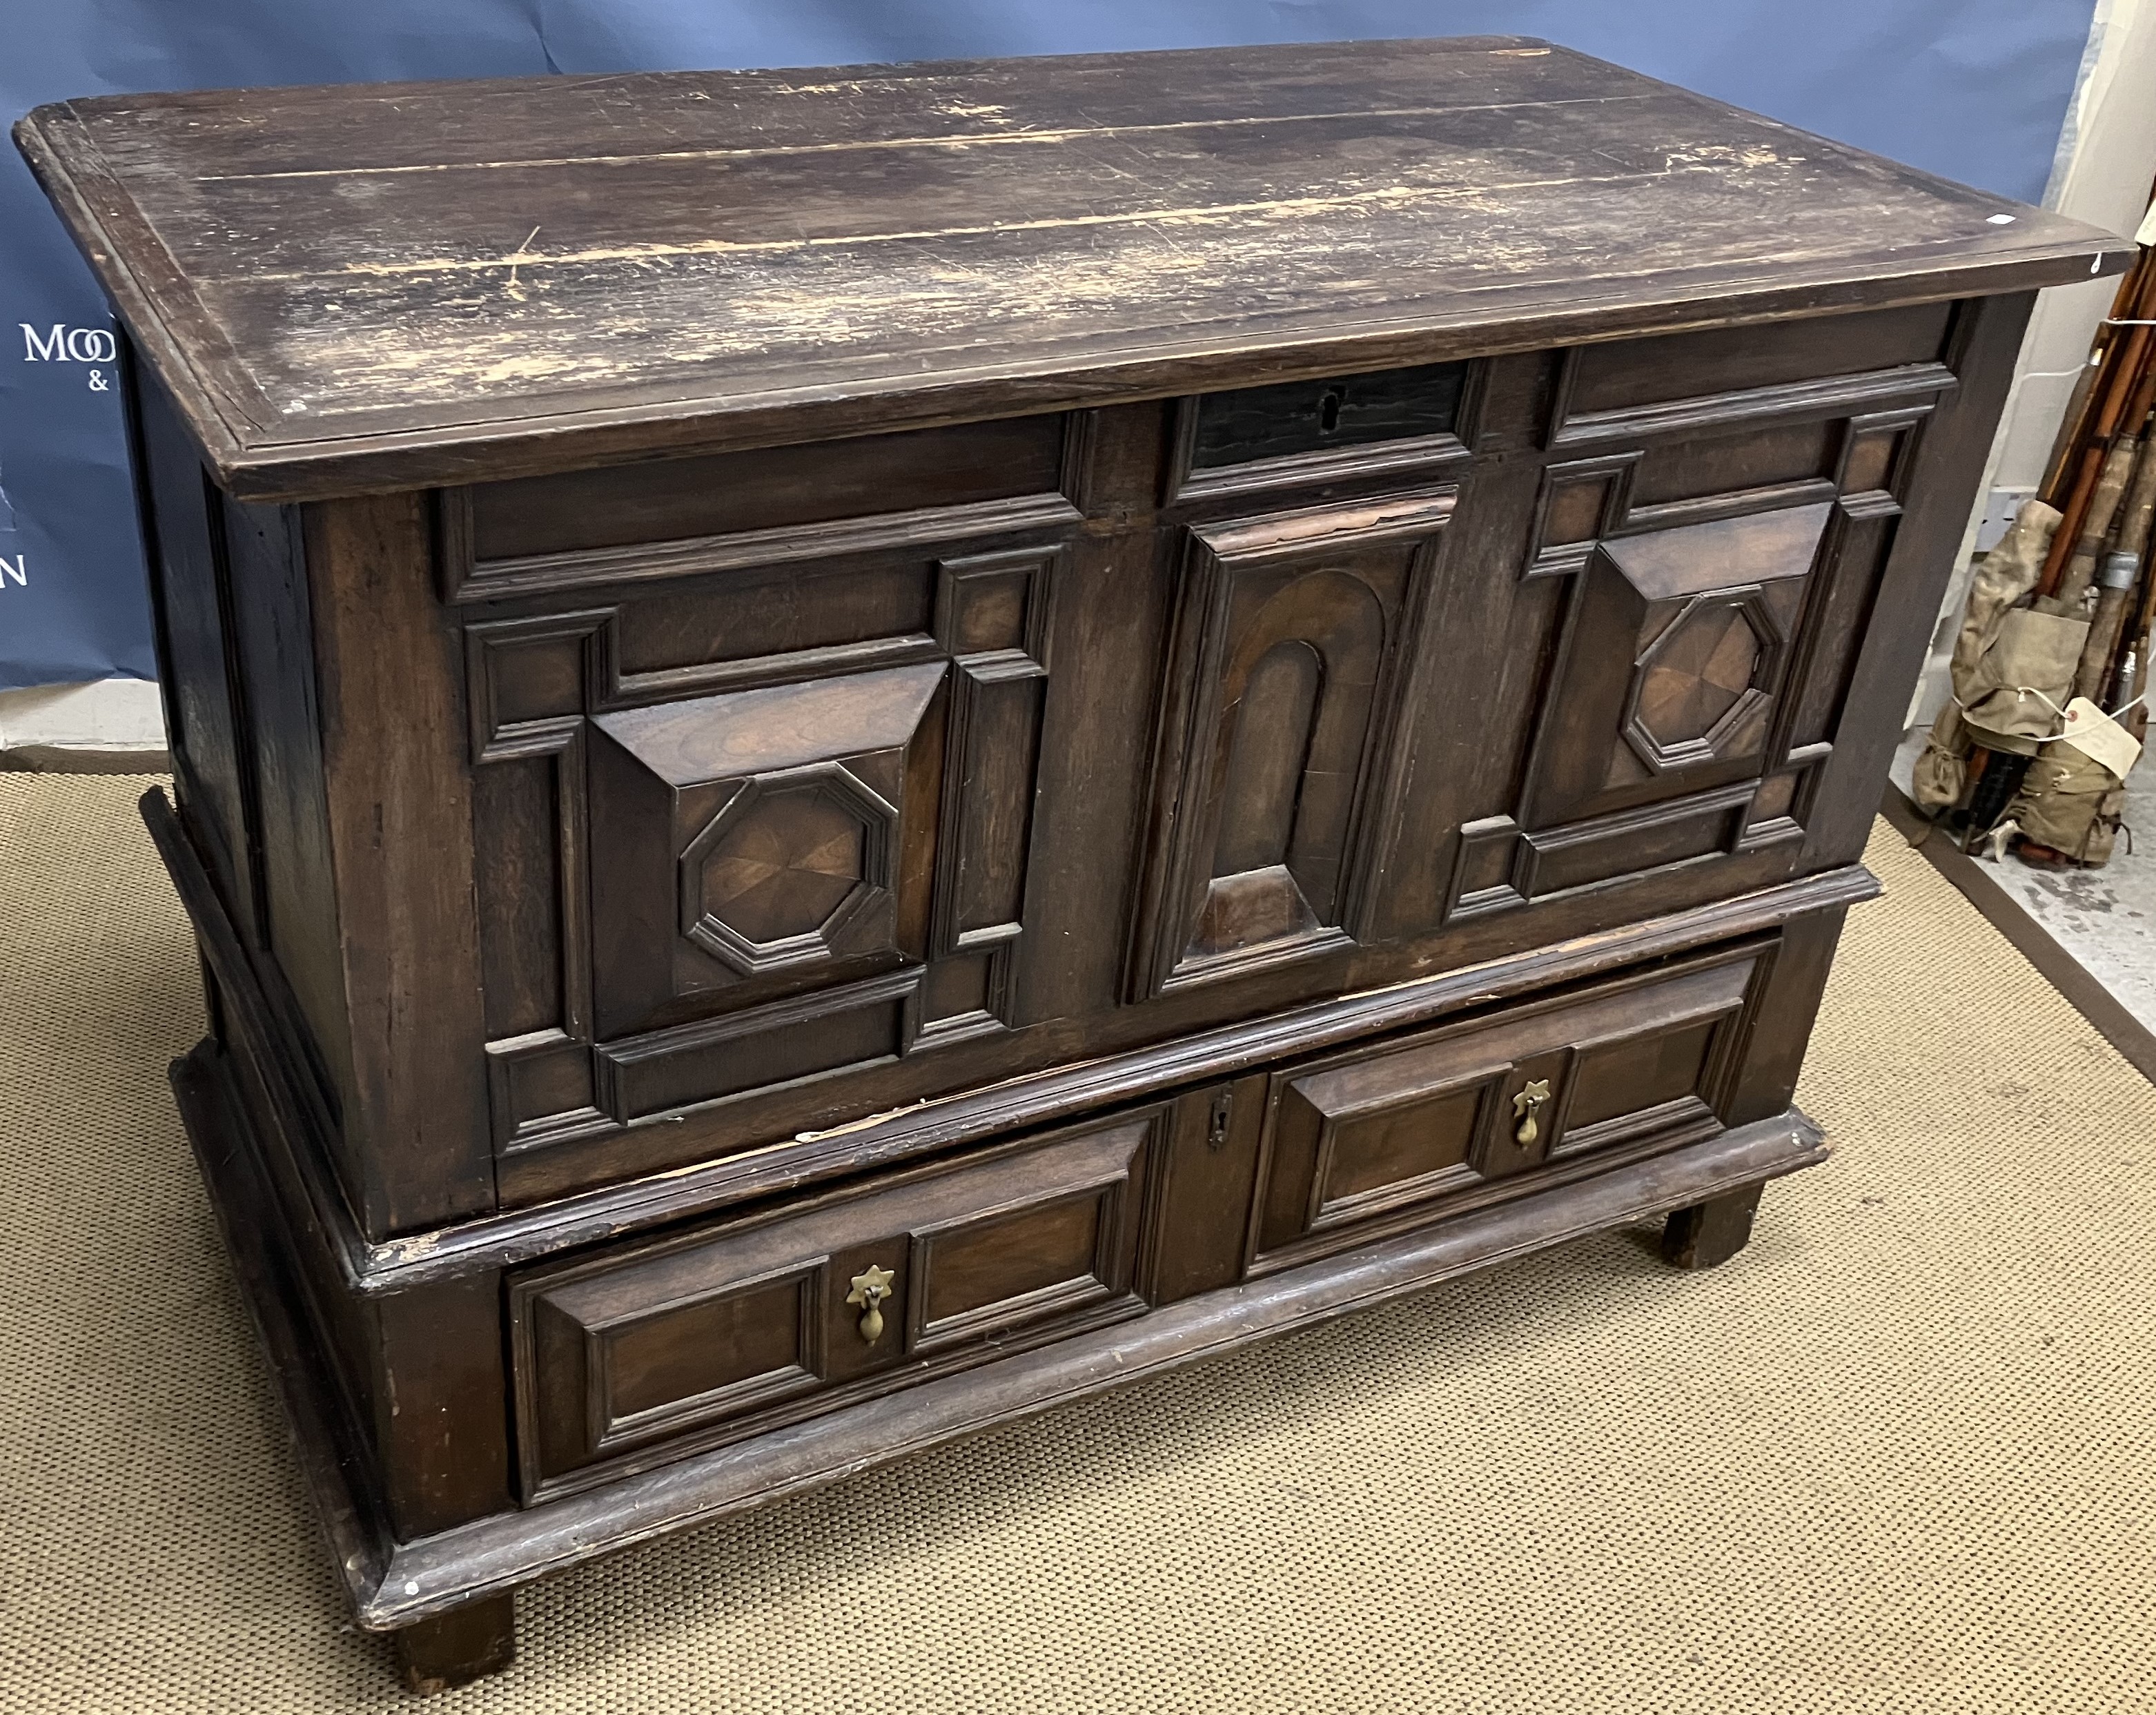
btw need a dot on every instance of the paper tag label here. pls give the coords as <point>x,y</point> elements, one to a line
<point>2146,233</point>
<point>2100,738</point>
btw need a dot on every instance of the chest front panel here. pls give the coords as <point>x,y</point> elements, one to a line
<point>757,802</point>
<point>1706,567</point>
<point>813,780</point>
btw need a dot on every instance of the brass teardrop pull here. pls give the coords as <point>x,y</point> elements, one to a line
<point>870,1288</point>
<point>1528,1103</point>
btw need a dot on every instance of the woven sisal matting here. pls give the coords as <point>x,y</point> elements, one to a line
<point>1897,1456</point>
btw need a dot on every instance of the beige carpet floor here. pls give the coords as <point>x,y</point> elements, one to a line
<point>1896,1456</point>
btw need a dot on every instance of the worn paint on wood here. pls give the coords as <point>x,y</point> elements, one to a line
<point>343,285</point>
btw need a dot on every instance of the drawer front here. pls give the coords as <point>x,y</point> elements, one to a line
<point>1289,433</point>
<point>1380,1138</point>
<point>649,1353</point>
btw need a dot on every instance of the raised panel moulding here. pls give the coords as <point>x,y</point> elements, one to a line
<point>785,726</point>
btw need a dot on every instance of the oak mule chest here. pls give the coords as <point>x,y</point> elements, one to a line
<point>857,751</point>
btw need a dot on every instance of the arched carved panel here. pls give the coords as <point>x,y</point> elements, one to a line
<point>1295,726</point>
<point>1274,714</point>
<point>1277,722</point>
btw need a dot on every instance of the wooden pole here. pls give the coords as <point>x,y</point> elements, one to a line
<point>2074,423</point>
<point>2118,382</point>
<point>2096,522</point>
<point>2075,507</point>
<point>2135,521</point>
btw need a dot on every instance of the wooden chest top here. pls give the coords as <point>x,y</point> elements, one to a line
<point>369,287</point>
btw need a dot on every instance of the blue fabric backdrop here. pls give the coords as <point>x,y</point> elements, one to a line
<point>1973,89</point>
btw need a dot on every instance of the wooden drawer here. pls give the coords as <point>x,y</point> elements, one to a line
<point>1378,1139</point>
<point>1297,433</point>
<point>648,1354</point>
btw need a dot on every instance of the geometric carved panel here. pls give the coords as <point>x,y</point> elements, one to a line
<point>1671,662</point>
<point>821,861</point>
<point>777,874</point>
<point>1714,558</point>
<point>1277,711</point>
<point>756,834</point>
<point>1693,676</point>
<point>1701,682</point>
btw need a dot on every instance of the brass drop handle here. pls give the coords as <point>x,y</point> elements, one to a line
<point>870,1289</point>
<point>1526,1105</point>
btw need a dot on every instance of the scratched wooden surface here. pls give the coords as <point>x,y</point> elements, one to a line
<point>361,286</point>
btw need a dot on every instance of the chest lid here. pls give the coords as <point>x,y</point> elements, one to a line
<point>381,287</point>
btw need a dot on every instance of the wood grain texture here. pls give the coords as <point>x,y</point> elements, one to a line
<point>383,286</point>
<point>639,1354</point>
<point>1366,1142</point>
<point>395,1584</point>
<point>393,747</point>
<point>453,1649</point>
<point>1708,1234</point>
<point>1883,660</point>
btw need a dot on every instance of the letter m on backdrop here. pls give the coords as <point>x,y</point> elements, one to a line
<point>51,349</point>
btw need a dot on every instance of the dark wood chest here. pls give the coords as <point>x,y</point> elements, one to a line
<point>859,750</point>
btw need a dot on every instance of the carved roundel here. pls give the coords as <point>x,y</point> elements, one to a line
<point>783,867</point>
<point>1701,681</point>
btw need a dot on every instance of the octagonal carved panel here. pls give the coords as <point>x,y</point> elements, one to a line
<point>747,842</point>
<point>1701,681</point>
<point>780,870</point>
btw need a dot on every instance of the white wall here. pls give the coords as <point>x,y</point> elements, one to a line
<point>111,723</point>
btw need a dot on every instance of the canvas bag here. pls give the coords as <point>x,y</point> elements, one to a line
<point>2071,803</point>
<point>2002,577</point>
<point>2024,678</point>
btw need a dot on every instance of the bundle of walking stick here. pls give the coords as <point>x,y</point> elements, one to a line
<point>2101,478</point>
